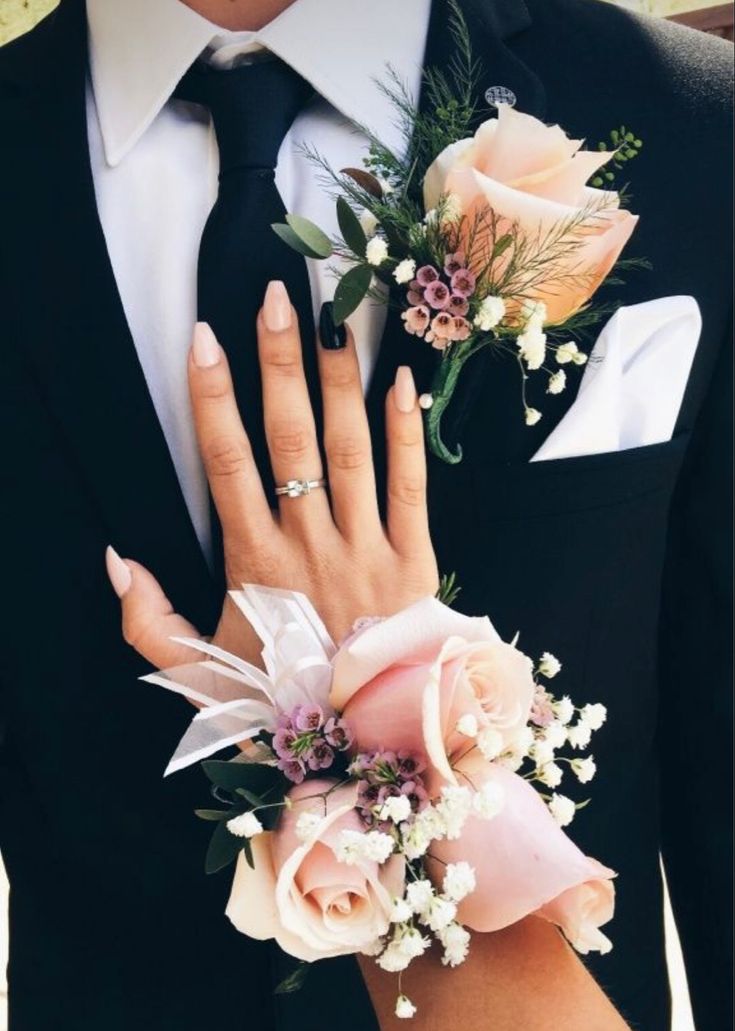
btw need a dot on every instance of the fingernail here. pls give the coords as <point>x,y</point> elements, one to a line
<point>333,337</point>
<point>404,393</point>
<point>118,572</point>
<point>205,350</point>
<point>277,307</point>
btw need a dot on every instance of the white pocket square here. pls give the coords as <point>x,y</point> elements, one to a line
<point>634,382</point>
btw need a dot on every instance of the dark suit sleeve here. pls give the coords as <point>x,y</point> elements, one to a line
<point>695,721</point>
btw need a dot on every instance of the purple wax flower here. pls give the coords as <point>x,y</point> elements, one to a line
<point>283,742</point>
<point>437,295</point>
<point>453,263</point>
<point>308,718</point>
<point>293,769</point>
<point>338,734</point>
<point>458,305</point>
<point>426,275</point>
<point>384,775</point>
<point>463,282</point>
<point>320,756</point>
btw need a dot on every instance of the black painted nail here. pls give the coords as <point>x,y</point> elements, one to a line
<point>333,337</point>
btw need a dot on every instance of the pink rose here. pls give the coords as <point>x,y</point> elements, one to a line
<point>534,176</point>
<point>299,892</point>
<point>406,682</point>
<point>525,864</point>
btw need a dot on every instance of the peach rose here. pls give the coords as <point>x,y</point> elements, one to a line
<point>406,682</point>
<point>299,892</point>
<point>525,864</point>
<point>534,176</point>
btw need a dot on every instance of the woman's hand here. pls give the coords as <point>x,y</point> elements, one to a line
<point>331,546</point>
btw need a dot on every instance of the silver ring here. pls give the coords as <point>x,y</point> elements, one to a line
<point>298,488</point>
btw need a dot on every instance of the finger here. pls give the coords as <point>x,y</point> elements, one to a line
<point>289,420</point>
<point>148,619</point>
<point>408,520</point>
<point>347,434</point>
<point>228,459</point>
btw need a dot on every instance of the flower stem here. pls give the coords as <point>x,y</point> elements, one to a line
<point>442,391</point>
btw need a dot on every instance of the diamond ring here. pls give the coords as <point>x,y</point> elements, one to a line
<point>298,488</point>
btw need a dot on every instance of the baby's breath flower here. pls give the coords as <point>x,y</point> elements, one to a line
<point>369,222</point>
<point>404,271</point>
<point>564,709</point>
<point>392,959</point>
<point>459,881</point>
<point>534,314</point>
<point>585,769</point>
<point>353,846</point>
<point>556,734</point>
<point>580,735</point>
<point>306,824</point>
<point>246,825</point>
<point>412,943</point>
<point>532,347</point>
<point>594,715</point>
<point>550,775</point>
<point>562,809</point>
<point>557,382</point>
<point>542,751</point>
<point>397,808</point>
<point>401,911</point>
<point>490,314</point>
<point>441,913</point>
<point>456,942</point>
<point>488,801</point>
<point>419,896</point>
<point>532,415</point>
<point>565,353</point>
<point>490,743</point>
<point>454,808</point>
<point>405,1009</point>
<point>376,252</point>
<point>549,665</point>
<point>467,725</point>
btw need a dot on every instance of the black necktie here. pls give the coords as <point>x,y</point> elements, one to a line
<point>252,106</point>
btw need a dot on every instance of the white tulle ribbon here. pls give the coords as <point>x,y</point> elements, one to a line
<point>237,699</point>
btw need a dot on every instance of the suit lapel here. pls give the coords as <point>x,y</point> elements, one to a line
<point>77,337</point>
<point>492,28</point>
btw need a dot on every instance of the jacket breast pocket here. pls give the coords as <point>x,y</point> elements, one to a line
<point>568,485</point>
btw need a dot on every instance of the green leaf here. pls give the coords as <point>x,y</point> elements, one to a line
<point>352,232</point>
<point>310,235</point>
<point>249,796</point>
<point>366,180</point>
<point>351,290</point>
<point>223,849</point>
<point>253,777</point>
<point>213,814</point>
<point>288,236</point>
<point>294,981</point>
<point>502,245</point>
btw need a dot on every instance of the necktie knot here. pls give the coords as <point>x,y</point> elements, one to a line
<point>252,106</point>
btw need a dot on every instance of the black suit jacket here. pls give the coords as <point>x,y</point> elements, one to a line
<point>614,562</point>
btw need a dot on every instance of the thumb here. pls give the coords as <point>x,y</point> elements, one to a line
<point>148,618</point>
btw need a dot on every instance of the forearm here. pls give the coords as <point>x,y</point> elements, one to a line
<point>525,977</point>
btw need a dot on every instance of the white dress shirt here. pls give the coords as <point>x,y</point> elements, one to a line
<point>155,164</point>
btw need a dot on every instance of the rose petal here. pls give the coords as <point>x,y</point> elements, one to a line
<point>522,858</point>
<point>415,633</point>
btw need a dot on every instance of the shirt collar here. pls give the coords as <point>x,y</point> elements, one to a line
<point>139,50</point>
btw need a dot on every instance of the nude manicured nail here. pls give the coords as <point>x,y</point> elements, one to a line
<point>277,307</point>
<point>118,572</point>
<point>205,350</point>
<point>405,390</point>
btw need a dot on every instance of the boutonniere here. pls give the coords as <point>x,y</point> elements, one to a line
<point>494,239</point>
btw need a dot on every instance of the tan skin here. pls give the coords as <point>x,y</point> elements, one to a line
<point>335,549</point>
